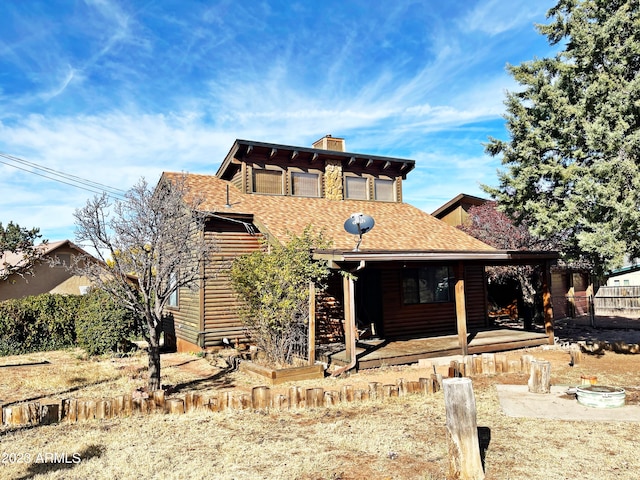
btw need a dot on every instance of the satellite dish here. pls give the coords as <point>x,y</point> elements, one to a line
<point>358,224</point>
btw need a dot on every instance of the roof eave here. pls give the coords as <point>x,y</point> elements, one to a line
<point>500,256</point>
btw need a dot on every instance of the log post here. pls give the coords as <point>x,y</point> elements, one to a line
<point>346,393</point>
<point>244,400</point>
<point>390,390</point>
<point>312,323</point>
<point>426,385</point>
<point>331,397</point>
<point>70,410</point>
<point>49,413</point>
<point>513,366</point>
<point>526,362</point>
<point>213,404</point>
<point>296,397</point>
<point>361,395</point>
<point>489,363</point>
<point>33,413</point>
<point>465,462</point>
<point>402,386</point>
<point>103,409</point>
<point>281,402</point>
<point>261,397</point>
<point>127,405</point>
<point>501,362</point>
<point>188,402</point>
<point>315,397</point>
<point>540,377</point>
<point>413,387</point>
<point>158,398</point>
<point>176,406</point>
<point>375,390</point>
<point>477,364</point>
<point>576,355</point>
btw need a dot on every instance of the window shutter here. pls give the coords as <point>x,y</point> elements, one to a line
<point>384,190</point>
<point>356,188</point>
<point>304,184</point>
<point>267,181</point>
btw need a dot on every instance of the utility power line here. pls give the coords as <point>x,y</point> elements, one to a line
<point>62,177</point>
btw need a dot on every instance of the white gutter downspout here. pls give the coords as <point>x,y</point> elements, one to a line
<point>350,320</point>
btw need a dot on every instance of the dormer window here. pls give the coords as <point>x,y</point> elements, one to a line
<point>383,190</point>
<point>267,181</point>
<point>356,188</point>
<point>304,184</point>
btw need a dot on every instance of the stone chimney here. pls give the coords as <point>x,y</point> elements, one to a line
<point>330,143</point>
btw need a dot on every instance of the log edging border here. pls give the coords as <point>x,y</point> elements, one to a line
<point>261,397</point>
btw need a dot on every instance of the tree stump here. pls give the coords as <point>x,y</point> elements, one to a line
<point>465,462</point>
<point>540,377</point>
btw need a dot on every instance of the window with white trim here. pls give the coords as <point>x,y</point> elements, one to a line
<point>173,298</point>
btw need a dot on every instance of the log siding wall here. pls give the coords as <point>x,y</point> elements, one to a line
<point>220,305</point>
<point>400,320</point>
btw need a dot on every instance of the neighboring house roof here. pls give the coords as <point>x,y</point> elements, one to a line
<point>459,199</point>
<point>17,259</point>
<point>398,226</point>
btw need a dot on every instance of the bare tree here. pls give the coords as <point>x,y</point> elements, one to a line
<point>151,244</point>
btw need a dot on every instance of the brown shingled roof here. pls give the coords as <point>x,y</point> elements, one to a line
<point>398,226</point>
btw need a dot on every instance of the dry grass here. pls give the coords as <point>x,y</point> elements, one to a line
<point>402,438</point>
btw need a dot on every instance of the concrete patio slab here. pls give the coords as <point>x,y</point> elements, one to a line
<point>516,401</point>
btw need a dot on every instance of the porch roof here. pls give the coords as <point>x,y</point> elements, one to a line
<point>485,256</point>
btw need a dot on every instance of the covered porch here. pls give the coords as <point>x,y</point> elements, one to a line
<point>453,321</point>
<point>379,352</point>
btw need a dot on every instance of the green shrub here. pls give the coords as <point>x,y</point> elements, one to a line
<point>38,323</point>
<point>102,325</point>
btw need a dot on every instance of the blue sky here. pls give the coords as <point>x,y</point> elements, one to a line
<point>113,90</point>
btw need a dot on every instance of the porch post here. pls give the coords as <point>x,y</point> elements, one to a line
<point>461,310</point>
<point>349,318</point>
<point>546,302</point>
<point>312,323</point>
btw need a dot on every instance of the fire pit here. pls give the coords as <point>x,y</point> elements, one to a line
<point>600,396</point>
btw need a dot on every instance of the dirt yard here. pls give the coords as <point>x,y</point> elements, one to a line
<point>401,438</point>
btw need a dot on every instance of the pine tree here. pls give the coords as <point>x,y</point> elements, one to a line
<point>573,157</point>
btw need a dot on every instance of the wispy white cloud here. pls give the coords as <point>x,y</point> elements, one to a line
<point>126,90</point>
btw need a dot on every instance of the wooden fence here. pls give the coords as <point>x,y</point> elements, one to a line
<point>260,398</point>
<point>618,301</point>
